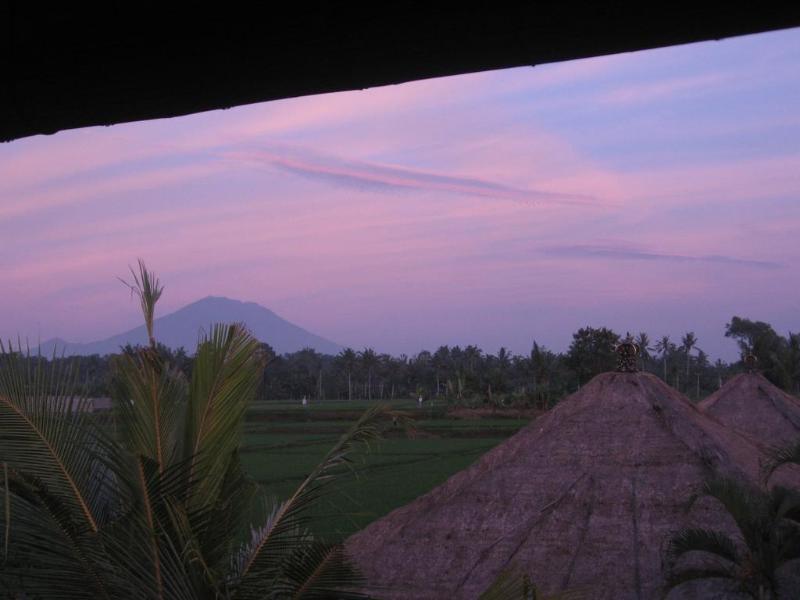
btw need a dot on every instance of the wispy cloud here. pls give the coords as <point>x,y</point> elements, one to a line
<point>86,191</point>
<point>649,91</point>
<point>362,174</point>
<point>614,252</point>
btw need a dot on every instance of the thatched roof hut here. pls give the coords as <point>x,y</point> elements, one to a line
<point>752,405</point>
<point>583,497</point>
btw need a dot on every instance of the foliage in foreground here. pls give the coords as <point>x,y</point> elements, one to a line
<point>788,455</point>
<point>157,506</point>
<point>767,538</point>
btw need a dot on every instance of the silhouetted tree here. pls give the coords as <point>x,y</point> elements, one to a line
<point>592,352</point>
<point>369,360</point>
<point>348,359</point>
<point>664,346</point>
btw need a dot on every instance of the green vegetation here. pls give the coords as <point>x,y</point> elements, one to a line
<point>470,377</point>
<point>282,442</point>
<point>749,562</point>
<point>155,503</point>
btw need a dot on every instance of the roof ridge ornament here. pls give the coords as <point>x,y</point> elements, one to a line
<point>750,362</point>
<point>627,356</point>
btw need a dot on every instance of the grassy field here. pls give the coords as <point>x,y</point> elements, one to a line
<point>283,442</point>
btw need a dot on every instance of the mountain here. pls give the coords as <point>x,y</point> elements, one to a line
<point>182,328</point>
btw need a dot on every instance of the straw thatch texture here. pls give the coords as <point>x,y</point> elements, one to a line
<point>752,405</point>
<point>583,497</point>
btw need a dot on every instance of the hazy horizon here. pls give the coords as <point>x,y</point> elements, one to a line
<point>189,347</point>
<point>653,191</point>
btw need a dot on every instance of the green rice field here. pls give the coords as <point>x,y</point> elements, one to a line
<point>284,442</point>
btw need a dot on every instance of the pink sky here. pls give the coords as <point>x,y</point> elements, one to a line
<point>655,191</point>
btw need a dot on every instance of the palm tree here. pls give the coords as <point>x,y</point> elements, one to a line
<point>158,505</point>
<point>768,537</point>
<point>472,355</point>
<point>664,346</point>
<point>440,361</point>
<point>348,359</point>
<point>148,290</point>
<point>369,360</point>
<point>688,342</point>
<point>643,341</point>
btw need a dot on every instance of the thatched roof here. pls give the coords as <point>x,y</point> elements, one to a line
<point>752,405</point>
<point>585,496</point>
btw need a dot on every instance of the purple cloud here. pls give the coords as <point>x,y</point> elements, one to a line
<point>614,252</point>
<point>362,174</point>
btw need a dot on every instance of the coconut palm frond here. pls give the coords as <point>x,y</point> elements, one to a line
<point>715,543</point>
<point>150,573</point>
<point>202,577</point>
<point>218,525</point>
<point>317,571</point>
<point>721,558</point>
<point>156,504</point>
<point>747,504</point>
<point>143,541</point>
<point>148,289</point>
<point>768,538</point>
<point>781,457</point>
<point>207,536</point>
<point>225,378</point>
<point>257,566</point>
<point>50,551</point>
<point>785,504</point>
<point>48,433</point>
<point>149,403</point>
<point>789,545</point>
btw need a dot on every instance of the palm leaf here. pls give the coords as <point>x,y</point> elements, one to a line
<point>258,566</point>
<point>143,541</point>
<point>148,289</point>
<point>785,504</point>
<point>782,456</point>
<point>50,553</point>
<point>149,402</point>
<point>49,434</point>
<point>227,372</point>
<point>317,571</point>
<point>713,544</point>
<point>745,503</point>
<point>218,526</point>
<point>701,540</point>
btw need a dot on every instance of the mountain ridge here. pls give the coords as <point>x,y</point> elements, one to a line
<point>184,327</point>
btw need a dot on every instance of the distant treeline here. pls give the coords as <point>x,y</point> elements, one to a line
<point>472,377</point>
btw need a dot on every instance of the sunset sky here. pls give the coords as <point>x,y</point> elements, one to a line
<point>654,191</point>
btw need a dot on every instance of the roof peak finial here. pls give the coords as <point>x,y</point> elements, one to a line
<point>627,356</point>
